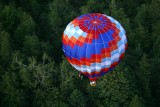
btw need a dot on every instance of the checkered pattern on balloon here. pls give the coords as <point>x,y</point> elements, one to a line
<point>94,44</point>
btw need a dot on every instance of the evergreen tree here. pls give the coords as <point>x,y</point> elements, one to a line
<point>56,24</point>
<point>94,6</point>
<point>144,76</point>
<point>26,27</point>
<point>77,99</point>
<point>5,47</point>
<point>115,89</point>
<point>9,18</point>
<point>13,96</point>
<point>136,102</point>
<point>32,46</point>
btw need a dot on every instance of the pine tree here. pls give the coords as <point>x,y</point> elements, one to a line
<point>67,78</point>
<point>56,22</point>
<point>32,46</point>
<point>13,96</point>
<point>114,89</point>
<point>144,75</point>
<point>9,18</point>
<point>77,99</point>
<point>94,6</point>
<point>39,80</point>
<point>136,102</point>
<point>5,48</point>
<point>156,47</point>
<point>25,27</point>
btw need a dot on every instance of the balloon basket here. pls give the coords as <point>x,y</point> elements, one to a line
<point>93,83</point>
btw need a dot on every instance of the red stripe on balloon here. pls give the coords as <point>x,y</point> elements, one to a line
<point>104,71</point>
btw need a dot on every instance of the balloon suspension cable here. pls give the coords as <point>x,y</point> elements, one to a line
<point>93,83</point>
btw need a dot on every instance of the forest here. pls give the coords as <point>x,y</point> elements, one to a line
<point>35,73</point>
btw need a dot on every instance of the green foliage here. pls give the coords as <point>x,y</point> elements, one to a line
<point>47,98</point>
<point>90,6</point>
<point>9,18</point>
<point>33,72</point>
<point>36,74</point>
<point>136,102</point>
<point>114,89</point>
<point>58,12</point>
<point>155,76</point>
<point>12,96</point>
<point>5,47</point>
<point>156,47</point>
<point>77,99</point>
<point>144,76</point>
<point>26,27</point>
<point>32,46</point>
<point>31,6</point>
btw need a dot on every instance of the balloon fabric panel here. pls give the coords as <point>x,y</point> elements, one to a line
<point>94,44</point>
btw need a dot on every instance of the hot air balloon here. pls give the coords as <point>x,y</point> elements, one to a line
<point>94,44</point>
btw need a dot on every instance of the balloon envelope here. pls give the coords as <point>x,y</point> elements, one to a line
<point>94,43</point>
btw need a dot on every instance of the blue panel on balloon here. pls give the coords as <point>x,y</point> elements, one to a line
<point>106,45</point>
<point>82,51</point>
<point>74,51</point>
<point>98,48</point>
<point>107,36</point>
<point>99,40</point>
<point>68,48</point>
<point>90,50</point>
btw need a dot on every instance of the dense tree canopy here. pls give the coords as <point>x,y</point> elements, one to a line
<point>35,73</point>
